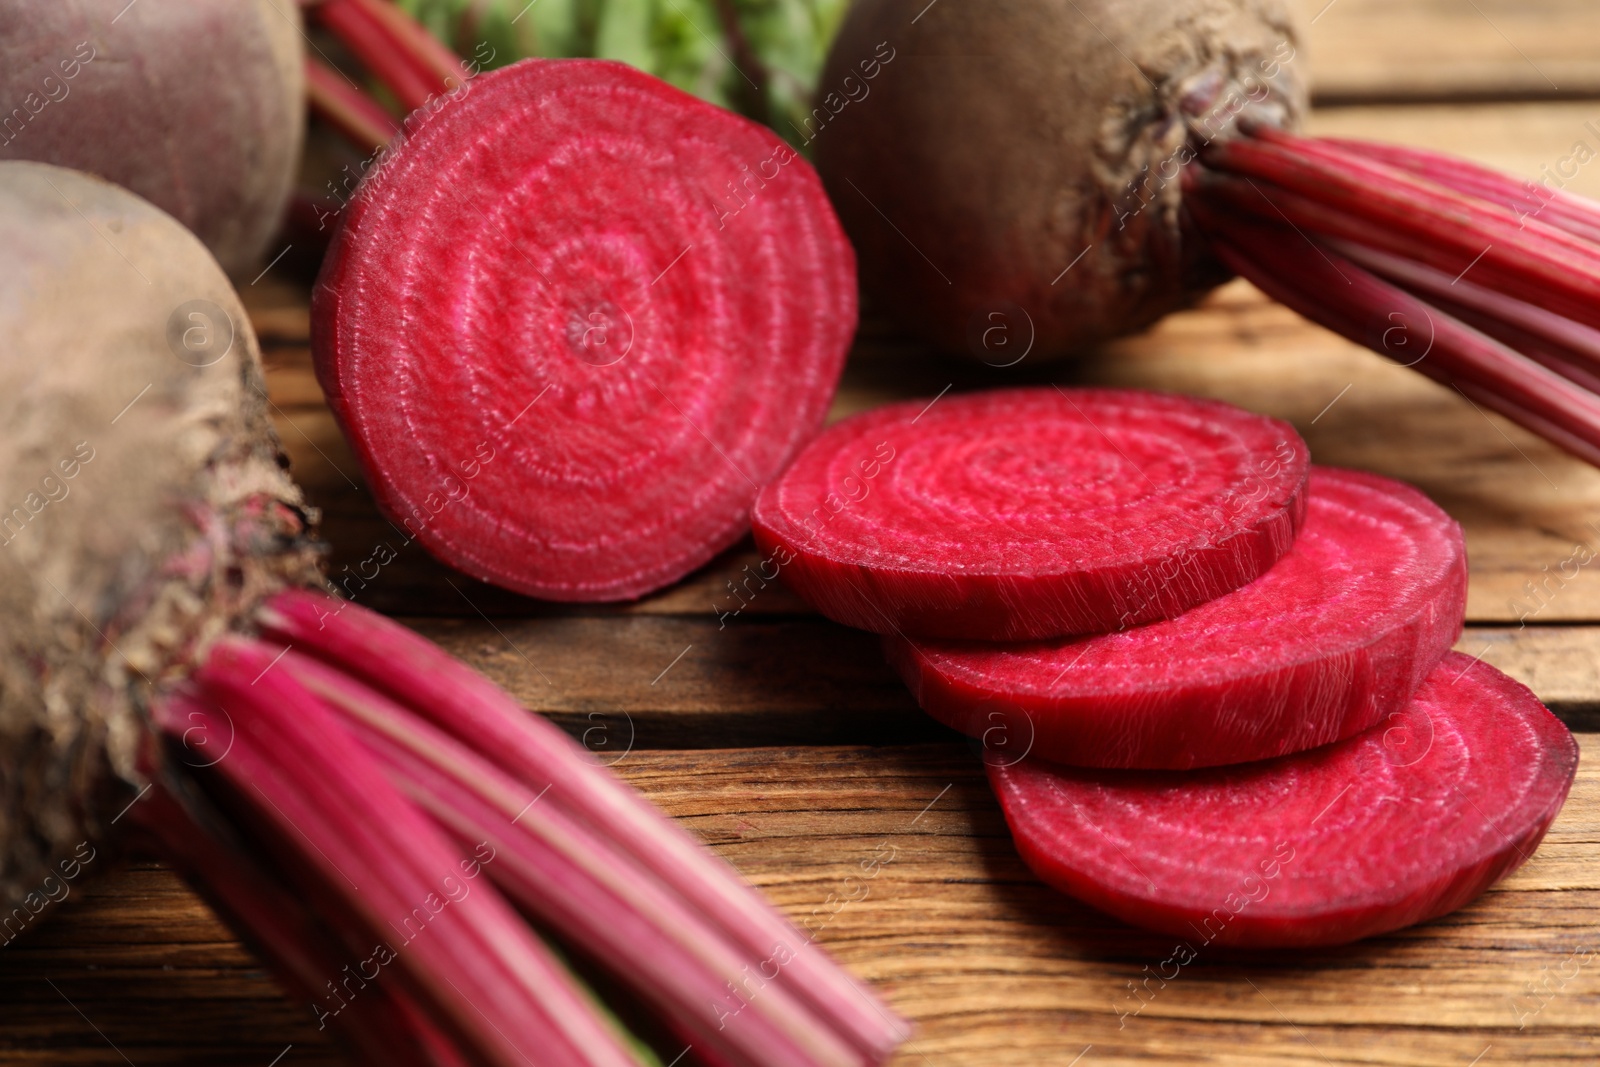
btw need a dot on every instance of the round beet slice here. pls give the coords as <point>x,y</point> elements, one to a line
<point>1032,513</point>
<point>1405,822</point>
<point>1335,637</point>
<point>572,322</point>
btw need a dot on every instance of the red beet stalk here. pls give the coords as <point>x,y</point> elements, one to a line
<point>348,108</point>
<point>412,814</point>
<point>1481,282</point>
<point>407,59</point>
<point>393,661</point>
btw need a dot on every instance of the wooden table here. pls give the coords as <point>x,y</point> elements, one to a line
<point>785,742</point>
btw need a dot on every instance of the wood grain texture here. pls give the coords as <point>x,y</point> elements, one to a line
<point>1380,50</point>
<point>995,969</point>
<point>679,682</point>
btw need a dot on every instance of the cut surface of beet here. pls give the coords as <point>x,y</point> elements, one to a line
<point>573,320</point>
<point>1405,822</point>
<point>1335,637</point>
<point>1033,513</point>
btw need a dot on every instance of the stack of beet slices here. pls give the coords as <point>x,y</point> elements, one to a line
<point>1228,707</point>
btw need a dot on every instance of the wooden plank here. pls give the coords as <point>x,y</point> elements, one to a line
<point>1559,663</point>
<point>995,970</point>
<point>686,682</point>
<point>1378,50</point>
<point>653,682</point>
<point>135,969</point>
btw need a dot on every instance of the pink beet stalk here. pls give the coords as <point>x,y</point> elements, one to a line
<point>375,48</point>
<point>402,55</point>
<point>1572,213</point>
<point>383,779</point>
<point>300,775</point>
<point>578,882</point>
<point>350,110</point>
<point>1481,282</point>
<point>393,661</point>
<point>280,926</point>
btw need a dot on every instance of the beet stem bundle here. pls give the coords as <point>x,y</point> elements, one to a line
<point>397,50</point>
<point>371,764</point>
<point>409,61</point>
<point>358,117</point>
<point>1474,279</point>
<point>383,1020</point>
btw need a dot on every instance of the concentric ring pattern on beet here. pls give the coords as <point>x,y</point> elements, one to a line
<point>1407,821</point>
<point>1335,637</point>
<point>572,322</point>
<point>1032,513</point>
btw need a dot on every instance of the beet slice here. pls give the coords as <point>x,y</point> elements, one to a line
<point>572,322</point>
<point>1335,637</point>
<point>1403,823</point>
<point>1031,513</point>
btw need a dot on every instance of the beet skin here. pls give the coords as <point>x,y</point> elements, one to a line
<point>1010,178</point>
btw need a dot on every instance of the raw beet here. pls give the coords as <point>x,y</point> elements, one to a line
<point>1397,825</point>
<point>1335,637</point>
<point>1032,513</point>
<point>574,320</point>
<point>198,106</point>
<point>1007,141</point>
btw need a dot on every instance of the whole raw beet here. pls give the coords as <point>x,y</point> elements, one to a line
<point>1006,139</point>
<point>143,507</point>
<point>196,105</point>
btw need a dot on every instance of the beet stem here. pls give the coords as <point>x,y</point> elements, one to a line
<point>1531,325</point>
<point>396,662</point>
<point>425,51</point>
<point>398,52</point>
<point>1527,198</point>
<point>472,961</point>
<point>578,882</point>
<point>361,119</point>
<point>1359,305</point>
<point>281,927</point>
<point>1505,274</point>
<point>1349,196</point>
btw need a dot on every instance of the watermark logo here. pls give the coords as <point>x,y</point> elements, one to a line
<point>1407,737</point>
<point>609,740</point>
<point>200,333</point>
<point>208,742</point>
<point>1007,734</point>
<point>601,336</point>
<point>1396,341</point>
<point>1001,336</point>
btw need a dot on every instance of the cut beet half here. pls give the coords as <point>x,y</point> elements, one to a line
<point>1032,513</point>
<point>573,320</point>
<point>1405,822</point>
<point>1335,637</point>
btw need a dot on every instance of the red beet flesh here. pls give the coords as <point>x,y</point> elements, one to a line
<point>574,320</point>
<point>1403,823</point>
<point>1334,638</point>
<point>1033,513</point>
